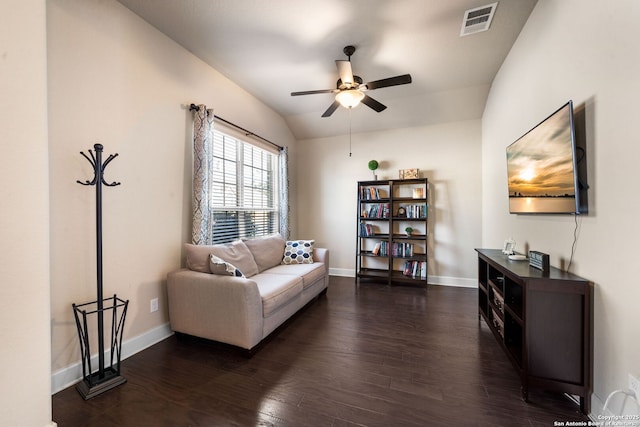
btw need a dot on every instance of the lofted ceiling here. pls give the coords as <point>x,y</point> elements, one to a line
<point>275,47</point>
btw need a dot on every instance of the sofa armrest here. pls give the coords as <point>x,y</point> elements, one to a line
<point>322,255</point>
<point>221,308</point>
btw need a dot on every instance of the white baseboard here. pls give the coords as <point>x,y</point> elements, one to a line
<point>597,407</point>
<point>460,282</point>
<point>343,272</point>
<point>70,375</point>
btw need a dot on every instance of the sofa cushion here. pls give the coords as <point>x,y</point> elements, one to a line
<point>235,253</point>
<point>309,272</point>
<point>223,268</point>
<point>266,251</point>
<point>198,257</point>
<point>298,252</point>
<point>277,290</point>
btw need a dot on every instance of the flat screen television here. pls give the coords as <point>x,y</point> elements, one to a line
<point>542,168</point>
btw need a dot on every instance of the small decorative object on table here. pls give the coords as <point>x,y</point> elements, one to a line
<point>509,246</point>
<point>539,260</point>
<point>408,173</point>
<point>408,230</point>
<point>373,165</point>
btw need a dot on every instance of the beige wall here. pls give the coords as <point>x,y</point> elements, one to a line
<point>586,51</point>
<point>115,80</point>
<point>24,217</point>
<point>448,155</point>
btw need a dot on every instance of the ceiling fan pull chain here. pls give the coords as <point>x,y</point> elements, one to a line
<point>350,132</point>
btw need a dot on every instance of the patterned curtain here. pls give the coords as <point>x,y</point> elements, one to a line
<point>202,164</point>
<point>284,192</point>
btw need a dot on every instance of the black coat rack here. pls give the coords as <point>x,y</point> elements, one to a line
<point>105,377</point>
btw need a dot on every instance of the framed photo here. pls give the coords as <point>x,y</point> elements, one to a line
<point>408,173</point>
<point>509,247</point>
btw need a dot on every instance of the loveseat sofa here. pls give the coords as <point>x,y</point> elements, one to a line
<point>241,292</point>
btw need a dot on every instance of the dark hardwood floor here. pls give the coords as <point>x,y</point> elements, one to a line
<point>370,355</point>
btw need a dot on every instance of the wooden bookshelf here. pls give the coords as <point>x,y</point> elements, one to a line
<point>384,250</point>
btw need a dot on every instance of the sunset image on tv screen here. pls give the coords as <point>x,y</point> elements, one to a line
<point>540,167</point>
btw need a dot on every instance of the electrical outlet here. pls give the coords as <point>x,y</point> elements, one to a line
<point>634,384</point>
<point>154,305</point>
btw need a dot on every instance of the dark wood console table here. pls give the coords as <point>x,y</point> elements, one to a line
<point>543,322</point>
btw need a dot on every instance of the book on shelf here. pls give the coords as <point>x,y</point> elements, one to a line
<point>415,269</point>
<point>381,248</point>
<point>367,230</point>
<point>371,193</point>
<point>417,211</point>
<point>377,210</point>
<point>376,249</point>
<point>402,250</point>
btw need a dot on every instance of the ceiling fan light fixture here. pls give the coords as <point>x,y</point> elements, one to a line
<point>349,98</point>
<point>350,88</point>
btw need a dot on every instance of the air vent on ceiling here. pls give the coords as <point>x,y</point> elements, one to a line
<point>478,19</point>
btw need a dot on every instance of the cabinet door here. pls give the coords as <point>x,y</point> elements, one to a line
<point>555,332</point>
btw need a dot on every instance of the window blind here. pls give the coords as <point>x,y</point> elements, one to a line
<point>243,187</point>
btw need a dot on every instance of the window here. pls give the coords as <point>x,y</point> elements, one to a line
<point>243,190</point>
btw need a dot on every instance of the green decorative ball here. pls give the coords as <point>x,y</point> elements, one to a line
<point>373,164</point>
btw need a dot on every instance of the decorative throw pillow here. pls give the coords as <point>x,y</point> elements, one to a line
<point>223,268</point>
<point>238,254</point>
<point>267,251</point>
<point>298,252</point>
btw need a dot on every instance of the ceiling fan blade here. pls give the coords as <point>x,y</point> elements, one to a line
<point>344,69</point>
<point>372,103</point>
<point>390,81</point>
<point>313,92</point>
<point>333,107</point>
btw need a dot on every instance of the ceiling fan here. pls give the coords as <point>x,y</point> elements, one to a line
<point>350,90</point>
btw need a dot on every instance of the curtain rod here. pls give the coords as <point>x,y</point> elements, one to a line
<point>196,108</point>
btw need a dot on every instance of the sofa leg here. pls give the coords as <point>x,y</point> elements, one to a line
<point>252,351</point>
